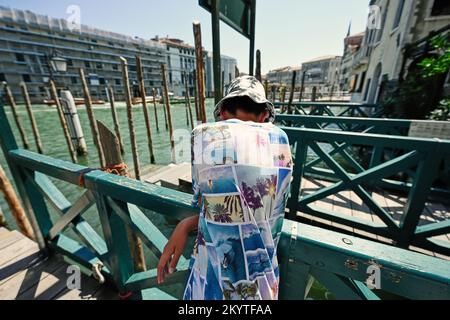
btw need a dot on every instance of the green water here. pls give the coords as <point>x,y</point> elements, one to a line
<point>55,146</point>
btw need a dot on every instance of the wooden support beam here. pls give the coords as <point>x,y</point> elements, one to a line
<point>169,115</point>
<point>15,206</point>
<point>91,116</point>
<point>37,136</point>
<point>200,71</point>
<point>12,104</point>
<point>140,74</point>
<point>258,66</point>
<point>63,122</point>
<point>134,147</point>
<point>115,118</point>
<point>115,165</point>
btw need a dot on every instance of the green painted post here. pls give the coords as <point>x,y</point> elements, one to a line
<point>299,167</point>
<point>116,238</point>
<point>32,200</point>
<point>425,175</point>
<point>215,21</point>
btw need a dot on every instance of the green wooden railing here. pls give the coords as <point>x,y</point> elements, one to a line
<point>421,157</point>
<point>358,156</point>
<point>334,109</point>
<point>354,124</point>
<point>341,263</point>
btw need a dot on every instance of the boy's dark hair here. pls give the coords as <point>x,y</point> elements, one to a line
<point>245,104</point>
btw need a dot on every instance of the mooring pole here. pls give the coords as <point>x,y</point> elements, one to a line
<point>258,66</point>
<point>217,68</point>
<point>134,148</point>
<point>252,36</point>
<point>115,165</point>
<point>140,74</point>
<point>14,205</point>
<point>188,104</point>
<point>37,136</point>
<point>291,96</point>
<point>197,114</point>
<point>169,114</point>
<point>156,111</point>
<point>91,116</point>
<point>302,88</point>
<point>200,71</point>
<point>63,121</point>
<point>13,106</point>
<point>115,118</point>
<point>165,112</point>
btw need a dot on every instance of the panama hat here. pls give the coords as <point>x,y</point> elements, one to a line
<point>246,86</point>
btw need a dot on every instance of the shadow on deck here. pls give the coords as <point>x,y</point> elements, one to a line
<point>27,274</point>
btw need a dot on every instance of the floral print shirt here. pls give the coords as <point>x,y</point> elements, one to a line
<point>241,173</point>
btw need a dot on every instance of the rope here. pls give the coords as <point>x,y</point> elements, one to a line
<point>82,173</point>
<point>97,272</point>
<point>126,295</point>
<point>116,169</point>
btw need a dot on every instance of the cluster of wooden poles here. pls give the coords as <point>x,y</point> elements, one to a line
<point>109,145</point>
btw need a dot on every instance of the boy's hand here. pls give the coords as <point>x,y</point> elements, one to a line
<point>174,248</point>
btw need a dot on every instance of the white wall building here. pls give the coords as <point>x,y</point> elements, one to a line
<point>392,25</point>
<point>228,66</point>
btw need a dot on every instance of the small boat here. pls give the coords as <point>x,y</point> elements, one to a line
<point>78,102</point>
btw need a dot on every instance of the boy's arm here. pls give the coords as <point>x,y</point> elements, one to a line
<point>175,247</point>
<point>177,242</point>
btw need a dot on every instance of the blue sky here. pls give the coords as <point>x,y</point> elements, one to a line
<point>288,32</point>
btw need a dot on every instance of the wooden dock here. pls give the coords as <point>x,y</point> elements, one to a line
<point>346,203</point>
<point>27,274</point>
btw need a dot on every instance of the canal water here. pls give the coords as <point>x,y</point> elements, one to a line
<point>55,146</point>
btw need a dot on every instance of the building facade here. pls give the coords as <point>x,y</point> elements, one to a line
<point>391,28</point>
<point>228,66</point>
<point>181,64</point>
<point>352,44</point>
<point>283,76</point>
<point>27,40</point>
<point>322,73</point>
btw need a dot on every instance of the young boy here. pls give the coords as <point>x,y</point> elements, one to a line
<point>241,173</point>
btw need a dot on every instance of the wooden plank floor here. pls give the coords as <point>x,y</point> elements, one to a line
<point>345,203</point>
<point>25,274</point>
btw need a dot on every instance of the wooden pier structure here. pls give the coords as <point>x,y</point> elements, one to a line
<point>365,196</point>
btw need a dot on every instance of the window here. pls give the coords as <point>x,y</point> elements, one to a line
<point>87,64</point>
<point>361,82</point>
<point>2,77</point>
<point>102,81</point>
<point>366,94</point>
<point>74,80</point>
<point>383,22</point>
<point>99,65</point>
<point>170,77</point>
<point>398,15</point>
<point>115,67</point>
<point>117,82</point>
<point>20,57</point>
<point>440,8</point>
<point>26,78</point>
